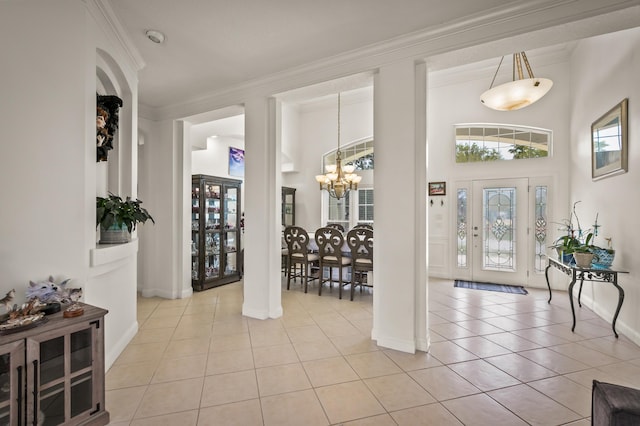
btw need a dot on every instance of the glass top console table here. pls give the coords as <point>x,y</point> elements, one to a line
<point>586,274</point>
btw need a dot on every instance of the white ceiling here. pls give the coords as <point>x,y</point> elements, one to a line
<point>213,44</point>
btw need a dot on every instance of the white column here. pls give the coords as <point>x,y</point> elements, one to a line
<point>262,286</point>
<point>400,255</point>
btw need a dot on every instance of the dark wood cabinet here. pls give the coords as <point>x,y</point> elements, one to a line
<point>288,206</point>
<point>53,374</point>
<point>215,231</point>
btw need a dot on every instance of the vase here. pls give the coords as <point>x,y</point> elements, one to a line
<point>114,234</point>
<point>583,260</point>
<point>602,258</point>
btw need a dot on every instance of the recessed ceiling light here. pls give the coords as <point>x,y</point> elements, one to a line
<point>155,36</point>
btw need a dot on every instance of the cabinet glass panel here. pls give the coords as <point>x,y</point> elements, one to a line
<point>81,350</point>
<point>5,411</point>
<point>52,406</point>
<point>51,360</point>
<point>5,382</point>
<point>288,210</point>
<point>81,392</point>
<point>231,248</point>
<point>212,266</point>
<point>212,206</point>
<point>231,208</point>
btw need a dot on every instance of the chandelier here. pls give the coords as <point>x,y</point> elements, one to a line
<point>518,93</point>
<point>338,180</point>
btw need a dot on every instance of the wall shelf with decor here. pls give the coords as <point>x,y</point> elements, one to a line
<point>215,231</point>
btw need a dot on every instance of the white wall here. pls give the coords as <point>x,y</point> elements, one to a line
<point>48,157</point>
<point>605,70</point>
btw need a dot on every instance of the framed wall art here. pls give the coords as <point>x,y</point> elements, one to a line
<point>437,188</point>
<point>609,154</point>
<point>236,162</point>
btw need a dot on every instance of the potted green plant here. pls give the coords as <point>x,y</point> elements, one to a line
<point>117,218</point>
<point>565,246</point>
<point>583,253</point>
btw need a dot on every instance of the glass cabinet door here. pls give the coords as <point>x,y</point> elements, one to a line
<point>231,251</point>
<point>212,205</point>
<point>63,368</point>
<point>195,229</point>
<point>12,383</point>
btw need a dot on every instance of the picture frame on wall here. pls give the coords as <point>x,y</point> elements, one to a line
<point>236,162</point>
<point>437,188</point>
<point>609,154</point>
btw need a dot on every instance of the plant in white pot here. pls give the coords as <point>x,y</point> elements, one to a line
<point>117,218</point>
<point>583,253</point>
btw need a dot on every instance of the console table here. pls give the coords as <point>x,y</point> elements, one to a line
<point>586,274</point>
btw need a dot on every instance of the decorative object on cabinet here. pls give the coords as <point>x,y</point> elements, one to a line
<point>215,231</point>
<point>8,298</point>
<point>236,162</point>
<point>50,292</point>
<point>106,124</point>
<point>53,374</point>
<point>609,142</point>
<point>437,188</point>
<point>117,218</point>
<point>288,206</point>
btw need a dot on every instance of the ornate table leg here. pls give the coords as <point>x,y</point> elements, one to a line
<point>546,274</point>
<point>580,292</point>
<point>573,312</point>
<point>620,300</point>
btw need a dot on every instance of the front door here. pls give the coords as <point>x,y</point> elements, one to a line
<point>499,222</point>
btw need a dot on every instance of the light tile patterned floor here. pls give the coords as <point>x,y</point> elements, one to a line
<point>496,358</point>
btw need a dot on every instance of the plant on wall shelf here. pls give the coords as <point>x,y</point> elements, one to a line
<point>113,211</point>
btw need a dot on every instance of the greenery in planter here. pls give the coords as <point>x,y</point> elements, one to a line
<point>114,210</point>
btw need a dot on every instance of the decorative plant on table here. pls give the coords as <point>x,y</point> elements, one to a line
<point>580,244</point>
<point>113,215</point>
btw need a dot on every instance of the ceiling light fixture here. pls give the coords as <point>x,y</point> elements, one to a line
<point>518,93</point>
<point>155,36</point>
<point>338,181</point>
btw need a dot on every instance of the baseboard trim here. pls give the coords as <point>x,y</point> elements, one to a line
<point>113,352</point>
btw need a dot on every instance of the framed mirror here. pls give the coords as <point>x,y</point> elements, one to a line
<point>609,155</point>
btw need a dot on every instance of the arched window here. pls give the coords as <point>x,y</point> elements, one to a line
<point>490,142</point>
<point>359,153</point>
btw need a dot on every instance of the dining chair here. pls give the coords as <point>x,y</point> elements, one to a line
<point>297,240</point>
<point>360,242</point>
<point>363,226</point>
<point>330,244</point>
<point>336,226</point>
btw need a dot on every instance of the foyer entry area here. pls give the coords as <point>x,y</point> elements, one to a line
<point>495,358</point>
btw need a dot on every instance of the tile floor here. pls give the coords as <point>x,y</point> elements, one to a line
<point>496,359</point>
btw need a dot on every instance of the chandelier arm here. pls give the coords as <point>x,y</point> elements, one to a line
<point>526,63</point>
<point>519,65</point>
<point>496,74</point>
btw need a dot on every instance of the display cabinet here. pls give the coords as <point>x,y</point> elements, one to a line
<point>288,206</point>
<point>215,231</point>
<point>53,373</point>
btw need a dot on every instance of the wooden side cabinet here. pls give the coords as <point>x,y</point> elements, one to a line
<point>55,372</point>
<point>288,206</point>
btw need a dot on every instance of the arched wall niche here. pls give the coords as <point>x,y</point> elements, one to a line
<point>118,174</point>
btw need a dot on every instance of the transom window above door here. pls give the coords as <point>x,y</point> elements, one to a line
<point>491,142</point>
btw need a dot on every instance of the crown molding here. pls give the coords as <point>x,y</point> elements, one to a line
<point>494,24</point>
<point>105,17</point>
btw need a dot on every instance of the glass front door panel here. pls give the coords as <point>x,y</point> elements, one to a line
<point>498,236</point>
<point>81,349</point>
<point>51,360</point>
<point>461,231</point>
